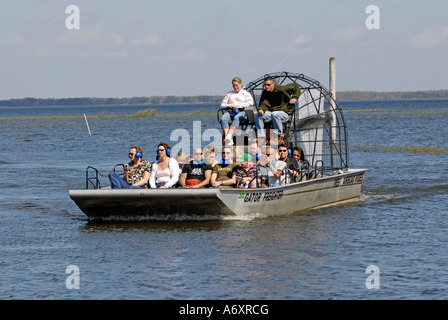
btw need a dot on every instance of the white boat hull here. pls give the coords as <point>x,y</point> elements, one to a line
<point>209,202</point>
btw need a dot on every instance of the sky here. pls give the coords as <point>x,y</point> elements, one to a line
<point>138,48</point>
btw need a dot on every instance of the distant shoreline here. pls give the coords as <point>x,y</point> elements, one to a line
<point>343,96</point>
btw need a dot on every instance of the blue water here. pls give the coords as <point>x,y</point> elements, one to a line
<point>399,225</point>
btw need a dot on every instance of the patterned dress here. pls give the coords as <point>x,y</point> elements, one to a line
<point>137,174</point>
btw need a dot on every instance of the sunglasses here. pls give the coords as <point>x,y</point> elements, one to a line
<point>131,154</point>
<point>226,153</point>
<point>198,154</point>
<point>282,150</point>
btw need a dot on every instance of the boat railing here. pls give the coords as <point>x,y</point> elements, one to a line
<point>93,176</point>
<point>303,168</point>
<point>92,180</point>
<point>304,171</point>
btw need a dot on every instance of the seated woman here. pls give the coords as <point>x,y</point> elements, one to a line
<point>297,164</point>
<point>210,155</point>
<point>136,172</point>
<point>233,101</point>
<point>165,171</point>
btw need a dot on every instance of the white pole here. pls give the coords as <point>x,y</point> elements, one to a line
<point>333,94</point>
<point>87,124</point>
<point>333,77</point>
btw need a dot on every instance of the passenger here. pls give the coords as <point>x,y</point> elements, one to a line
<point>136,172</point>
<point>257,156</point>
<point>275,165</point>
<point>297,163</point>
<point>246,173</point>
<point>181,159</point>
<point>209,148</point>
<point>224,173</point>
<point>298,154</point>
<point>210,158</point>
<point>165,171</point>
<point>238,152</point>
<point>276,104</point>
<point>197,173</point>
<point>234,100</point>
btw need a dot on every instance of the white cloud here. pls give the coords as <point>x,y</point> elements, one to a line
<point>96,36</point>
<point>296,44</point>
<point>301,39</point>
<point>17,38</point>
<point>347,34</point>
<point>432,36</point>
<point>152,39</point>
<point>189,56</point>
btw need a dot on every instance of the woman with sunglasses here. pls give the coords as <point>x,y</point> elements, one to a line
<point>297,164</point>
<point>136,172</point>
<point>165,171</point>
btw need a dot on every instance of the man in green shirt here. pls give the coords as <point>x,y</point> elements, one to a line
<point>276,104</point>
<point>224,172</point>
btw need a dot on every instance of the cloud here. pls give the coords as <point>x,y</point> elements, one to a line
<point>152,39</point>
<point>347,34</point>
<point>188,56</point>
<point>17,38</point>
<point>96,36</point>
<point>432,36</point>
<point>296,44</point>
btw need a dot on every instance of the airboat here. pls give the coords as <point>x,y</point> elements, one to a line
<point>316,125</point>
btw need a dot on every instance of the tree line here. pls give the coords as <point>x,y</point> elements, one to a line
<point>110,101</point>
<point>398,95</point>
<point>216,99</point>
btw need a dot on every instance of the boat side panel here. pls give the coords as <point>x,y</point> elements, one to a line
<point>128,203</point>
<point>295,197</point>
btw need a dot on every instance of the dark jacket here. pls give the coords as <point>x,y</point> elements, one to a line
<point>278,99</point>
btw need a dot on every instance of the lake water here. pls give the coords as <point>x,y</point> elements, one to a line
<point>398,229</point>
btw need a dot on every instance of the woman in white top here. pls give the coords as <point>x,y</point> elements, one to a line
<point>233,101</point>
<point>165,171</point>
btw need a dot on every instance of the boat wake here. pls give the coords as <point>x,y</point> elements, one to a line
<point>179,217</point>
<point>403,194</point>
<point>366,197</point>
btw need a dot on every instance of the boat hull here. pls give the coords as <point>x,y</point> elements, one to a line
<point>118,204</point>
